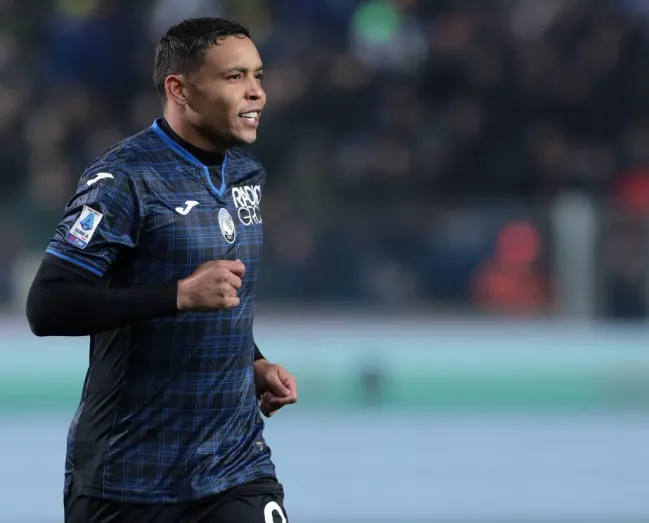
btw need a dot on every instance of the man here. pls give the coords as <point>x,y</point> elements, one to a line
<point>156,259</point>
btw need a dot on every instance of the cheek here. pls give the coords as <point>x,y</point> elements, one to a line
<point>225,109</point>
<point>211,104</point>
<point>218,108</point>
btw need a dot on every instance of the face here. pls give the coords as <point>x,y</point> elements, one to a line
<point>225,97</point>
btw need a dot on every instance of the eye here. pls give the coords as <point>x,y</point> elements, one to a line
<point>235,76</point>
<point>259,76</point>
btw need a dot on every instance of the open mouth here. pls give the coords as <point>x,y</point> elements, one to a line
<point>251,117</point>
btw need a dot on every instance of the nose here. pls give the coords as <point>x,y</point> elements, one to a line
<point>254,91</point>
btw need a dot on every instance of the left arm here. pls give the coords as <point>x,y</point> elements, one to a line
<point>276,387</point>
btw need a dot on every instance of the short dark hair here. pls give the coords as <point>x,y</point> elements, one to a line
<point>181,49</point>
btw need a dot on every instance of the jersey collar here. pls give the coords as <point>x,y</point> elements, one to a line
<point>191,158</point>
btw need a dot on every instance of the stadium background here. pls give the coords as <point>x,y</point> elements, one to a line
<point>457,250</point>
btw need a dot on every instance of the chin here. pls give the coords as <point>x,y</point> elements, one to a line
<point>246,138</point>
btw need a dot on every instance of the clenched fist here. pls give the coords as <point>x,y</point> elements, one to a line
<point>212,286</point>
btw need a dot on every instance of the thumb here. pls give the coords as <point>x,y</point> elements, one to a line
<point>237,267</point>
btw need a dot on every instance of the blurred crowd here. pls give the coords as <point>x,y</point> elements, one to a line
<point>414,147</point>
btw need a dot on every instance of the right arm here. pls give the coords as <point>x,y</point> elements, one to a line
<point>64,300</point>
<point>69,295</point>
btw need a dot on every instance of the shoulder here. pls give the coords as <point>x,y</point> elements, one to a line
<point>127,161</point>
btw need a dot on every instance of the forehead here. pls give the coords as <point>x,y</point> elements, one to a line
<point>232,51</point>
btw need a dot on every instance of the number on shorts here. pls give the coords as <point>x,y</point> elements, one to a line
<point>269,509</point>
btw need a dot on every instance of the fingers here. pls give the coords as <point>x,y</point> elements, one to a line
<point>280,401</point>
<point>268,411</point>
<point>239,268</point>
<point>275,400</point>
<point>271,403</point>
<point>236,267</point>
<point>277,386</point>
<point>233,280</point>
<point>269,406</point>
<point>232,283</point>
<point>231,301</point>
<point>231,277</point>
<point>282,391</point>
<point>280,386</point>
<point>213,286</point>
<point>288,386</point>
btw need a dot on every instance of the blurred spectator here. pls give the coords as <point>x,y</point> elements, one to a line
<point>624,267</point>
<point>396,131</point>
<point>512,280</point>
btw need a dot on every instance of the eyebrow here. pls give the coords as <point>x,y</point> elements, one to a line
<point>241,69</point>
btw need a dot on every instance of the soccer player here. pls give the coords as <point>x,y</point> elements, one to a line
<point>156,258</point>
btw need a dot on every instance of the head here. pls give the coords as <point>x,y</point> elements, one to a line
<point>208,73</point>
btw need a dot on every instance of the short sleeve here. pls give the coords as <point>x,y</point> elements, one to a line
<point>101,221</point>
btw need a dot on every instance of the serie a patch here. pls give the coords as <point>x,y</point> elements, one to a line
<point>84,228</point>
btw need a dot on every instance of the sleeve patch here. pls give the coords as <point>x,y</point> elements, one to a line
<point>84,228</point>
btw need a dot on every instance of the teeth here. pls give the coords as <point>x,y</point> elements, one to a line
<point>251,114</point>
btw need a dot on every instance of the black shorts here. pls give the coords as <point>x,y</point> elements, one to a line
<point>260,501</point>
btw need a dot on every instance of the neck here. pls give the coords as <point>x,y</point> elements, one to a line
<point>192,135</point>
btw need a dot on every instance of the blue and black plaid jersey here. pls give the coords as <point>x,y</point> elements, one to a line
<point>168,411</point>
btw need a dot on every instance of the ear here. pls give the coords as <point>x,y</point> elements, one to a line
<point>176,89</point>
